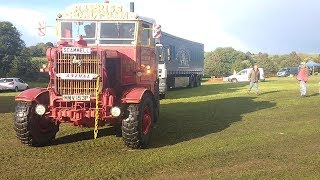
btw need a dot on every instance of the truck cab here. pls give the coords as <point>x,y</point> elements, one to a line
<point>103,71</point>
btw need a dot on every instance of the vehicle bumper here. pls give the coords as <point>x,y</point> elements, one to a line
<point>162,86</point>
<point>5,88</point>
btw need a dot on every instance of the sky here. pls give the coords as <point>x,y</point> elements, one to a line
<point>271,26</point>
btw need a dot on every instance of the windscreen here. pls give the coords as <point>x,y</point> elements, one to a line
<point>112,32</point>
<point>117,33</point>
<point>71,30</point>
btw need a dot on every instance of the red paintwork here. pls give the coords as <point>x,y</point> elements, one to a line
<point>147,119</point>
<point>30,94</point>
<point>127,88</point>
<point>133,95</point>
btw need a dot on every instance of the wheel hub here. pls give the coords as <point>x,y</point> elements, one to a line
<point>146,120</point>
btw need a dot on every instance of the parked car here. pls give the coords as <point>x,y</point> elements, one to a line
<point>242,76</point>
<point>14,84</point>
<point>284,72</point>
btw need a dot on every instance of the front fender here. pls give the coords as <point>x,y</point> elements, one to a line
<point>31,94</point>
<point>133,95</point>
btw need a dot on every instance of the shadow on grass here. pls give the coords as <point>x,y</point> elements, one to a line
<point>82,136</point>
<point>268,92</point>
<point>314,94</point>
<point>181,122</point>
<point>205,90</point>
<point>7,104</point>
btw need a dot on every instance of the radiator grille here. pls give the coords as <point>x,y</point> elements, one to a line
<point>69,63</point>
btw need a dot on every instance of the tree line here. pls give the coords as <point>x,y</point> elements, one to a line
<point>17,60</point>
<point>224,61</point>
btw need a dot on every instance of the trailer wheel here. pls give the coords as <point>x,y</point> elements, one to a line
<point>199,82</point>
<point>136,128</point>
<point>191,81</point>
<point>32,129</point>
<point>162,96</point>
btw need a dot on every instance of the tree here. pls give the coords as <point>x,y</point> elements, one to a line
<point>213,65</point>
<point>221,62</point>
<point>22,65</point>
<point>293,60</point>
<point>39,50</point>
<point>263,60</point>
<point>11,46</point>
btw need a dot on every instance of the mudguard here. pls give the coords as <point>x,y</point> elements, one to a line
<point>31,94</point>
<point>133,95</point>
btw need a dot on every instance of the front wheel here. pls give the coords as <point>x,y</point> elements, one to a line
<point>136,128</point>
<point>32,129</point>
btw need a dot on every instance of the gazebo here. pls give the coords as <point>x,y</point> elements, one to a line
<point>312,65</point>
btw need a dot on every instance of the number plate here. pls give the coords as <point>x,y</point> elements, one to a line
<point>76,97</point>
<point>76,50</point>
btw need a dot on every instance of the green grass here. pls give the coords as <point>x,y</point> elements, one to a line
<point>216,131</point>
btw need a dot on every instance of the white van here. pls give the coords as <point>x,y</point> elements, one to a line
<point>242,76</point>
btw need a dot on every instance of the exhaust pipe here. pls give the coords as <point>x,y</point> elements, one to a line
<point>131,6</point>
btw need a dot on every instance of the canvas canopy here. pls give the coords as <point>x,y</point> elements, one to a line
<point>312,64</point>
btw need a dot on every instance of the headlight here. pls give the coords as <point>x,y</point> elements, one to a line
<point>115,111</point>
<point>40,109</point>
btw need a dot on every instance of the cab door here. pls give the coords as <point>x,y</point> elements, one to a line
<point>148,60</point>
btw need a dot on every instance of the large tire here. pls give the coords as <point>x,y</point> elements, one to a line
<point>136,128</point>
<point>162,96</point>
<point>199,81</point>
<point>191,82</point>
<point>32,129</point>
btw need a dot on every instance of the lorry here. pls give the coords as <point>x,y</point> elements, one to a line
<point>180,64</point>
<point>108,76</point>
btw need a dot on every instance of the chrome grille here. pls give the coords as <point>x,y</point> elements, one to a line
<point>67,63</point>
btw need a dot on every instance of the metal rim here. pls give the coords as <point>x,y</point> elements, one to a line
<point>147,119</point>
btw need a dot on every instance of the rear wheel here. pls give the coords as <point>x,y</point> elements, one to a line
<point>16,89</point>
<point>234,80</point>
<point>191,82</point>
<point>199,82</point>
<point>162,96</point>
<point>31,128</point>
<point>136,128</point>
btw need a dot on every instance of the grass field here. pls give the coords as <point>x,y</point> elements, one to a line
<point>216,131</point>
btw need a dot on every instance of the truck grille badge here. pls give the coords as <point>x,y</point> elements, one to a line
<point>76,61</point>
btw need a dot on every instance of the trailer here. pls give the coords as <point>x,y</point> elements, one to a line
<point>181,63</point>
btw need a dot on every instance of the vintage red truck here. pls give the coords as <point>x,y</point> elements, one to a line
<point>103,71</point>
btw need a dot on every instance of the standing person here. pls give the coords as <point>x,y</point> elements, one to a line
<point>254,77</point>
<point>302,77</point>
